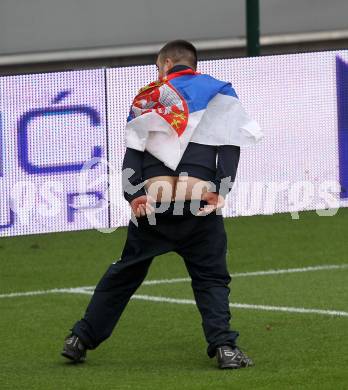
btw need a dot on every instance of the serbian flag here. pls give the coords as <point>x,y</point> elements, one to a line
<point>183,107</point>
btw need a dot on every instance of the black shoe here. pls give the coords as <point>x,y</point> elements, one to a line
<point>74,349</point>
<point>232,357</point>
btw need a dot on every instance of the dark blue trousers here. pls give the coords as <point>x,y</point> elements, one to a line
<point>200,240</point>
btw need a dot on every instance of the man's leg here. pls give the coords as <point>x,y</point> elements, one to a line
<point>204,253</point>
<point>119,283</point>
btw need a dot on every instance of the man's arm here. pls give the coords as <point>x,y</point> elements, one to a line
<point>132,159</point>
<point>227,164</point>
<point>139,201</point>
<point>226,170</point>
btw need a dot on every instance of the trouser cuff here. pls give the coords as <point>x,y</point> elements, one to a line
<point>78,330</point>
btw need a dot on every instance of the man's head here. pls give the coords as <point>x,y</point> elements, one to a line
<point>174,53</point>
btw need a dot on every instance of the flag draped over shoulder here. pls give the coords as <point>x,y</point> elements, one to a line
<point>184,107</point>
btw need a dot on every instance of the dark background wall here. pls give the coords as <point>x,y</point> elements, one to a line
<point>44,25</point>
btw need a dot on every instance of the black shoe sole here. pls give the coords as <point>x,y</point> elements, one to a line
<point>233,367</point>
<point>72,358</point>
<point>227,367</point>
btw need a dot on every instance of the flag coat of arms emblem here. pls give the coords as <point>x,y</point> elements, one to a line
<point>184,107</point>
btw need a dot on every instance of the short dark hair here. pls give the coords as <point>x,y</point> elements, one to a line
<point>179,50</point>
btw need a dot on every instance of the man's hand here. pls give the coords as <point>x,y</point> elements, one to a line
<point>142,205</point>
<point>215,201</point>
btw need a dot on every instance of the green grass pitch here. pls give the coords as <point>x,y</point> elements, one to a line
<point>160,345</point>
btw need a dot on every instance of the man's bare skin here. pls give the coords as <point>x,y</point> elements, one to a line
<point>176,188</point>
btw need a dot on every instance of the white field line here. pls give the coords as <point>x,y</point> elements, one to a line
<point>81,290</point>
<point>246,306</point>
<point>88,290</point>
<point>150,298</point>
<point>77,290</point>
<point>257,273</point>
